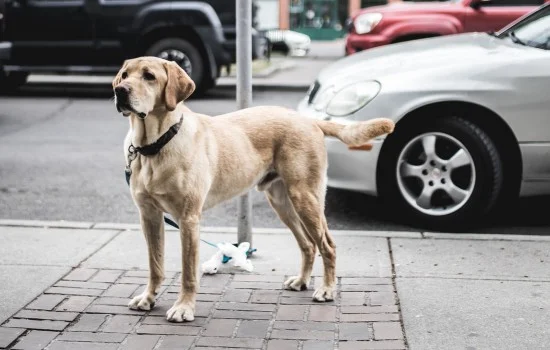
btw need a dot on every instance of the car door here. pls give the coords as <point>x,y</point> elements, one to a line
<point>49,32</point>
<point>493,15</point>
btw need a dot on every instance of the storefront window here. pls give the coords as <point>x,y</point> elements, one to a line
<point>317,18</point>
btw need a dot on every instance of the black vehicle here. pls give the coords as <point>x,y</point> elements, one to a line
<point>96,36</point>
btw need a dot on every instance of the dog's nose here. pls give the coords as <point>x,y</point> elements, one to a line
<point>122,91</point>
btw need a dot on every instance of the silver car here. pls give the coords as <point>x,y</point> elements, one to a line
<point>472,115</point>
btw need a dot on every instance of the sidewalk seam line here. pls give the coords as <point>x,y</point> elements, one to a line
<point>394,283</point>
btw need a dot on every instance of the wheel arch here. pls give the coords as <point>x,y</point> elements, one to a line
<point>492,123</point>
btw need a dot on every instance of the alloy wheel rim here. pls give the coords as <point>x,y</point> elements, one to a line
<point>436,174</point>
<point>179,57</point>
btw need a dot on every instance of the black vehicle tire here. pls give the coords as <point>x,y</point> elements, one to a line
<point>476,171</point>
<point>187,56</point>
<point>12,81</point>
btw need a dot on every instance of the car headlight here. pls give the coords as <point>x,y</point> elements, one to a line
<point>366,22</point>
<point>351,98</point>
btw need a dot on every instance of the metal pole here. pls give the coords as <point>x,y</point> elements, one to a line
<point>244,99</point>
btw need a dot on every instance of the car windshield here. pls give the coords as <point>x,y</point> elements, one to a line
<point>534,31</point>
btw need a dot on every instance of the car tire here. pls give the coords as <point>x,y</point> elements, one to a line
<point>12,81</point>
<point>187,56</point>
<point>449,187</point>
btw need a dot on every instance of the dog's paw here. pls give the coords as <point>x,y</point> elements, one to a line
<point>324,293</point>
<point>144,302</point>
<point>296,283</point>
<point>180,312</point>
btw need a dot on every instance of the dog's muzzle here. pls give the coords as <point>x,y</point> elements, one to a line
<point>122,94</point>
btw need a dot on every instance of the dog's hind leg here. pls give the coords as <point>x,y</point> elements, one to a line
<point>153,229</point>
<point>307,203</point>
<point>277,196</point>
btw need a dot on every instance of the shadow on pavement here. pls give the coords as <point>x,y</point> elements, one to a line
<point>354,211</point>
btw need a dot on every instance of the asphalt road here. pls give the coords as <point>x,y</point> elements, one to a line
<point>61,159</point>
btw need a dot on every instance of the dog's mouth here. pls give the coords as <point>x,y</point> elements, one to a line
<point>126,109</point>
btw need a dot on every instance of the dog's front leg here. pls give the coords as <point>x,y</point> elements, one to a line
<point>184,307</point>
<point>153,229</point>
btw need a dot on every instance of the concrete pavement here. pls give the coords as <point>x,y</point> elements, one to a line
<point>65,285</point>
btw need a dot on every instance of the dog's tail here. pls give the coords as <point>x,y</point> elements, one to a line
<point>357,135</point>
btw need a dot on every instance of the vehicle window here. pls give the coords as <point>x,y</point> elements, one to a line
<point>533,31</point>
<point>497,3</point>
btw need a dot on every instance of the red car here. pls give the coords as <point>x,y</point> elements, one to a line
<point>403,21</point>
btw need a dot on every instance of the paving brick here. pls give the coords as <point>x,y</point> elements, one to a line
<point>8,335</point>
<point>121,324</point>
<point>313,326</point>
<point>253,329</point>
<point>240,343</point>
<point>258,278</point>
<point>113,309</point>
<point>81,284</point>
<point>381,298</point>
<point>121,290</point>
<point>74,291</point>
<point>256,285</point>
<point>179,329</point>
<point>279,344</point>
<point>302,334</point>
<point>145,273</point>
<point>318,345</point>
<point>35,340</point>
<point>367,288</point>
<point>46,302</point>
<point>46,325</point>
<point>291,313</point>
<point>369,309</point>
<point>75,303</point>
<point>220,327</point>
<point>368,317</point>
<point>387,330</point>
<point>92,337</point>
<point>237,295</point>
<point>80,274</point>
<point>245,315</point>
<point>46,315</point>
<point>355,331</point>
<point>265,296</point>
<point>208,297</point>
<point>140,342</point>
<point>218,280</point>
<point>176,342</point>
<point>107,276</point>
<point>198,321</point>
<point>300,301</point>
<point>88,323</point>
<point>133,280</point>
<point>365,280</point>
<point>112,301</point>
<point>203,308</point>
<point>325,313</point>
<point>65,345</point>
<point>246,307</point>
<point>352,298</point>
<point>210,290</point>
<point>372,345</point>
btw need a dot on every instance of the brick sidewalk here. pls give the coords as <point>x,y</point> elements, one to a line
<point>87,309</point>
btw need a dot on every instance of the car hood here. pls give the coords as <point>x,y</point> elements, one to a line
<point>447,53</point>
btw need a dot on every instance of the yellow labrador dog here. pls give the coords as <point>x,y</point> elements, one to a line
<point>183,163</point>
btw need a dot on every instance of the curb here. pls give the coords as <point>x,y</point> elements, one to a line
<point>62,224</point>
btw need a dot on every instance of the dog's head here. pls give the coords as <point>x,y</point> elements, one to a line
<point>145,84</point>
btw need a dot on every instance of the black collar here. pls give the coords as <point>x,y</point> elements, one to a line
<point>155,147</point>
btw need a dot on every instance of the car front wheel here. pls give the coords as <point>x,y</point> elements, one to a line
<point>444,174</point>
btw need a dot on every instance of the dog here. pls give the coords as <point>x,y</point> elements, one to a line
<point>208,160</point>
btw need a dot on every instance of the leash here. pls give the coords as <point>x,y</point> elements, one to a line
<point>154,148</point>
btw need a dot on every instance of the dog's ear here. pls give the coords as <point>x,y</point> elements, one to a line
<point>118,77</point>
<point>178,87</point>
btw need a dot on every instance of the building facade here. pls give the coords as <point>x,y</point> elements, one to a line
<point>320,19</point>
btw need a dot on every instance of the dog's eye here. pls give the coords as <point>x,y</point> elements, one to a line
<point>148,76</point>
<point>124,75</point>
